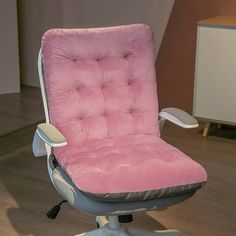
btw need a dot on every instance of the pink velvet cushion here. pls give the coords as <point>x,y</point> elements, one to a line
<point>131,164</point>
<point>101,82</point>
<point>101,91</point>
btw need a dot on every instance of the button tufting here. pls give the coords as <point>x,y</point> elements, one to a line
<point>131,110</point>
<point>98,59</point>
<point>103,85</point>
<point>126,55</point>
<point>129,82</point>
<point>74,59</point>
<point>78,88</point>
<point>80,117</point>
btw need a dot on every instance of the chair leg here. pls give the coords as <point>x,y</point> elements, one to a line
<point>114,228</point>
<point>142,232</point>
<point>123,231</point>
<point>107,231</point>
<point>101,221</point>
<point>206,129</point>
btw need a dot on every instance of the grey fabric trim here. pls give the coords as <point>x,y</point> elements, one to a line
<point>77,199</point>
<point>146,195</point>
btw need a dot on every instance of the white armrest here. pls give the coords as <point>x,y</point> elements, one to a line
<point>51,135</point>
<point>38,146</point>
<point>178,117</point>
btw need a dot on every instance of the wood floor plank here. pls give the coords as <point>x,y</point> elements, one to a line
<point>212,211</point>
<point>19,110</point>
<point>26,193</point>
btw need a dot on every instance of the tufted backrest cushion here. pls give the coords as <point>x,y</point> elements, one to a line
<point>101,82</point>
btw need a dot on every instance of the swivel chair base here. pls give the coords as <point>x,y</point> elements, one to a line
<point>114,228</point>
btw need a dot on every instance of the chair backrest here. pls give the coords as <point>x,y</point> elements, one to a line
<point>101,82</point>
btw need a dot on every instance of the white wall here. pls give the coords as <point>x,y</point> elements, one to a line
<point>9,57</point>
<point>90,13</point>
<point>35,17</point>
<point>38,16</point>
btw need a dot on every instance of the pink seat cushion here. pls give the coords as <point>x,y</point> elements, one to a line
<point>101,93</point>
<point>136,164</point>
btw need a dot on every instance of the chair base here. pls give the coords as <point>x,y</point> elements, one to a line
<point>114,228</point>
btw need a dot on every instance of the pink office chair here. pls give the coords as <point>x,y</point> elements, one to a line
<point>104,151</point>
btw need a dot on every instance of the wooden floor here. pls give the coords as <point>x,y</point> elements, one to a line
<point>26,193</point>
<point>212,211</point>
<point>19,110</point>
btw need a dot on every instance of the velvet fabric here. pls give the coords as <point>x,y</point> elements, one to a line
<point>135,163</point>
<point>101,82</point>
<point>101,92</point>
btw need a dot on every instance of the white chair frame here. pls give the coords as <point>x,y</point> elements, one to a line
<point>110,226</point>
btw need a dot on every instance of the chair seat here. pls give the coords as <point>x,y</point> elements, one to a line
<point>130,168</point>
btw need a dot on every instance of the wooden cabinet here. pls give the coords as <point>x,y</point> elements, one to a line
<point>215,73</point>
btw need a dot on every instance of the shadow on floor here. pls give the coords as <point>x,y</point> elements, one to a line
<point>27,194</point>
<point>225,131</point>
